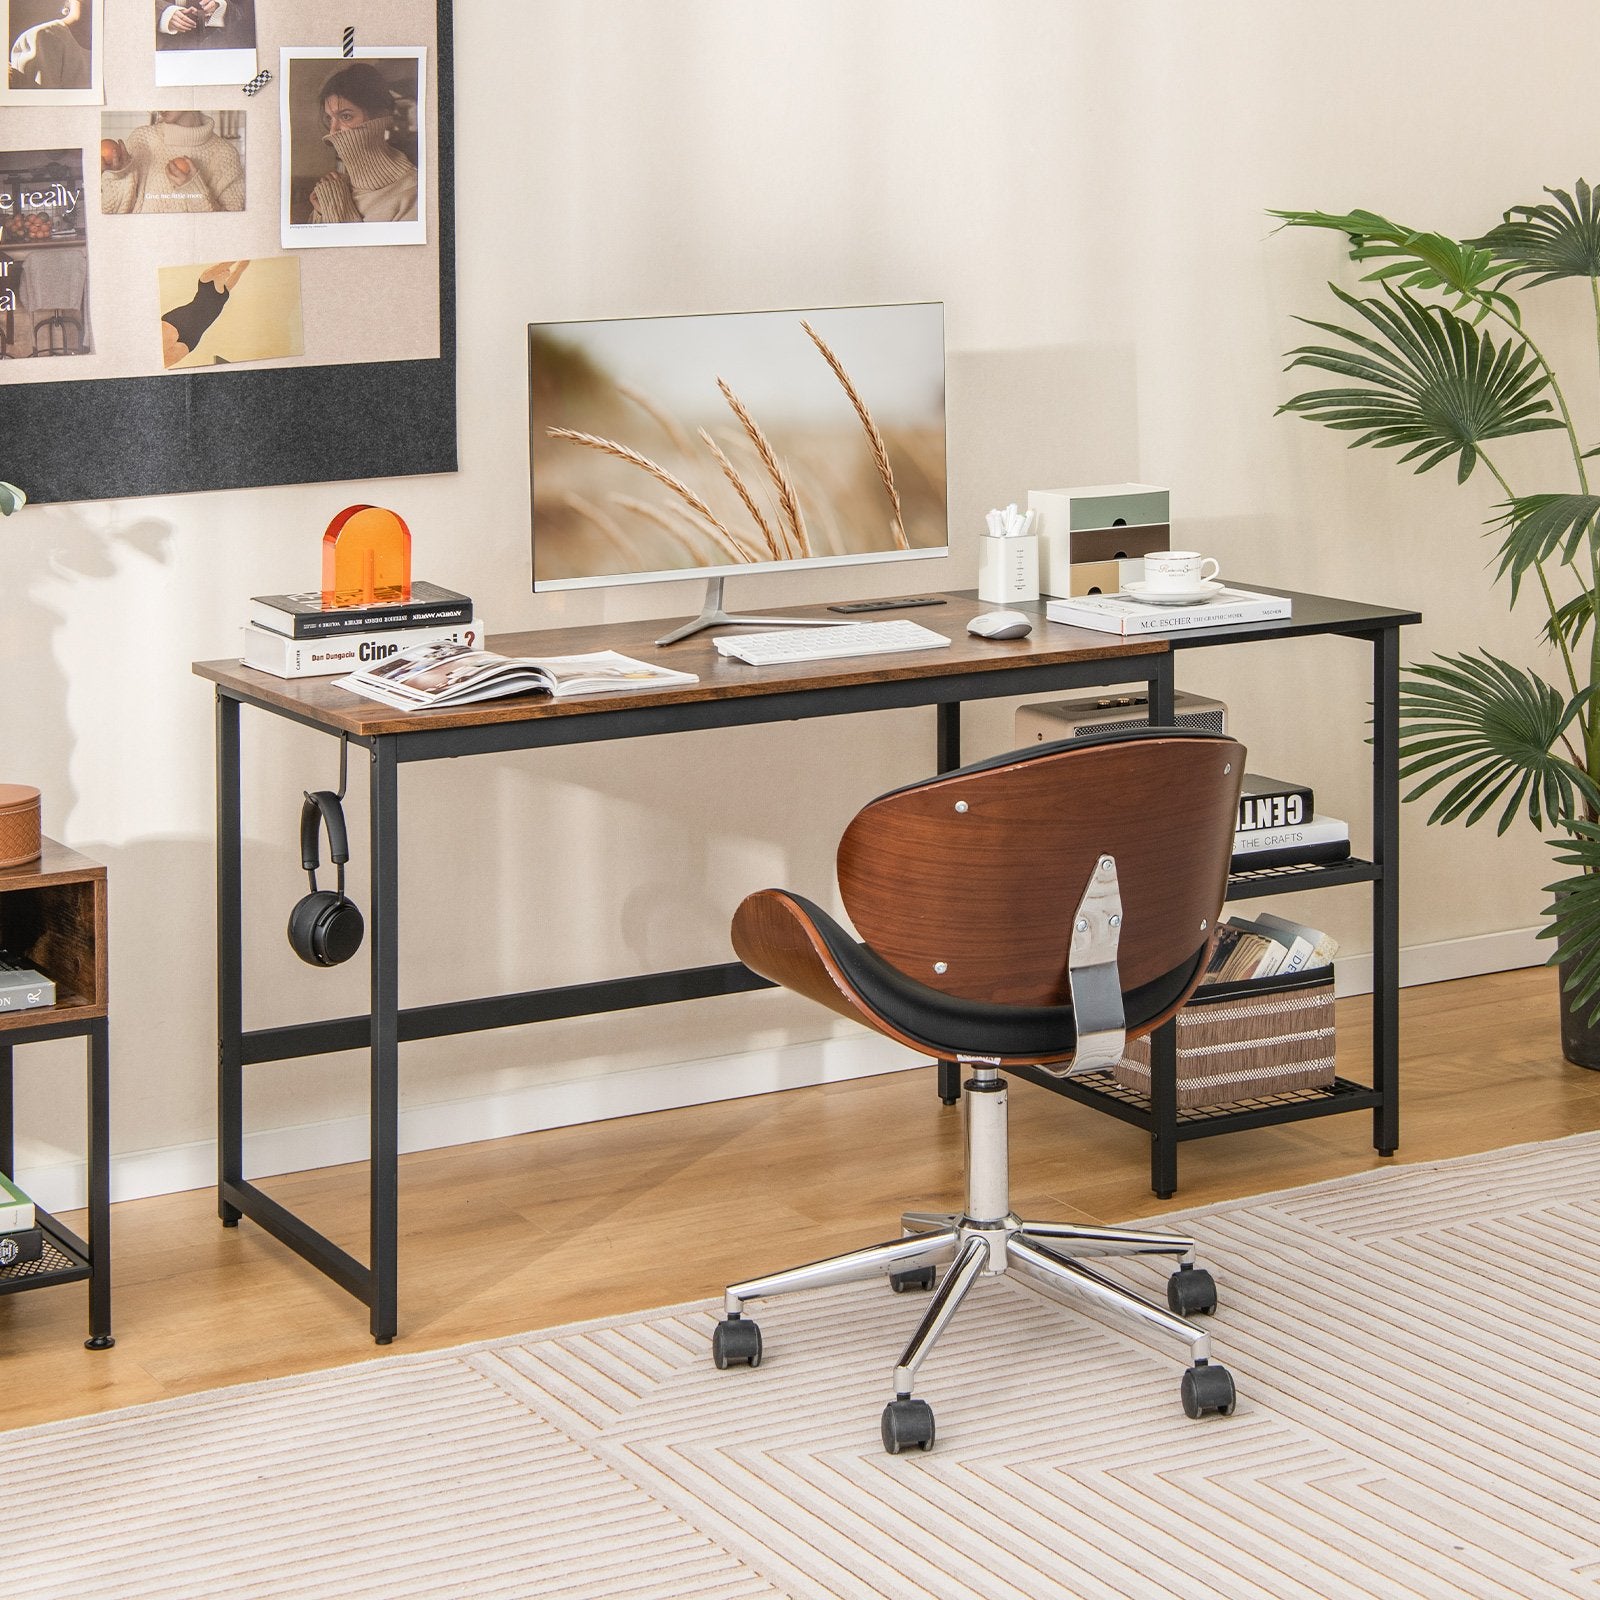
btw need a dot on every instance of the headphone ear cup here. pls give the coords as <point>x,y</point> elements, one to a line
<point>325,928</point>
<point>303,922</point>
<point>339,931</point>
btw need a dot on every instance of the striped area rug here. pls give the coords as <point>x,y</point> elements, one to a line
<point>1419,1417</point>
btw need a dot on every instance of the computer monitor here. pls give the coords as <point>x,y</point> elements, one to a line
<point>702,446</point>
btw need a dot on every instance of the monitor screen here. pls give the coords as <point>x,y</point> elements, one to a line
<point>679,447</point>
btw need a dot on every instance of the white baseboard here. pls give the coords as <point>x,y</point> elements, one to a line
<point>1449,958</point>
<point>142,1173</point>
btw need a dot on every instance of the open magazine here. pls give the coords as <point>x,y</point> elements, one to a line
<point>446,674</point>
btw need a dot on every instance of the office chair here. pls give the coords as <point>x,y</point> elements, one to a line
<point>1040,909</point>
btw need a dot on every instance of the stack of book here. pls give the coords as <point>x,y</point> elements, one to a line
<point>22,986</point>
<point>1224,607</point>
<point>1264,946</point>
<point>297,636</point>
<point>1279,826</point>
<point>21,1238</point>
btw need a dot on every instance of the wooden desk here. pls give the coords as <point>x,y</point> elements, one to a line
<point>728,694</point>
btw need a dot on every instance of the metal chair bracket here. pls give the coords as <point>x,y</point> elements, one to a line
<point>1093,976</point>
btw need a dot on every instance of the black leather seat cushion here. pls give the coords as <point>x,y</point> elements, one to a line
<point>949,1026</point>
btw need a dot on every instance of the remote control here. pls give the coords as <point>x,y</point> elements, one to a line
<point>887,605</point>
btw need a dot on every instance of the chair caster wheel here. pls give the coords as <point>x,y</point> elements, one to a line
<point>1207,1389</point>
<point>1192,1292</point>
<point>736,1342</point>
<point>907,1425</point>
<point>913,1278</point>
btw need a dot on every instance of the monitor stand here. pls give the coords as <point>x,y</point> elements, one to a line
<point>713,616</point>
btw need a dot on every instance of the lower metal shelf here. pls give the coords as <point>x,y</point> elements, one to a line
<point>65,1260</point>
<point>1101,1090</point>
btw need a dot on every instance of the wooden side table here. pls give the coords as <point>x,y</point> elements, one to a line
<point>53,915</point>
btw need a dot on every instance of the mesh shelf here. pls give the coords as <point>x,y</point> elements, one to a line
<point>58,1264</point>
<point>1102,1083</point>
<point>1244,882</point>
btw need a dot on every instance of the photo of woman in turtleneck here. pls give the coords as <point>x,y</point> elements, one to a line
<point>375,179</point>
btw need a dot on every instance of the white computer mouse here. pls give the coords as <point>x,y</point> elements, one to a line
<point>1000,625</point>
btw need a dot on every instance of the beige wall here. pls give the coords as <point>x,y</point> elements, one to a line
<point>1085,186</point>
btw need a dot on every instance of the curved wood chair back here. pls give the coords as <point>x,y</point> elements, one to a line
<point>968,882</point>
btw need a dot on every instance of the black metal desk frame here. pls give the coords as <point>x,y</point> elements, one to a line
<point>387,1025</point>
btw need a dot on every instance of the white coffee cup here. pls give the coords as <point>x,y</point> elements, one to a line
<point>1178,570</point>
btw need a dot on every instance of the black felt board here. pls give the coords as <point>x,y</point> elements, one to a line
<point>102,439</point>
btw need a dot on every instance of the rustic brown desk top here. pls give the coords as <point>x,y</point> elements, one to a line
<point>318,700</point>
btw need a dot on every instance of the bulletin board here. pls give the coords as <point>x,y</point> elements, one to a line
<point>333,356</point>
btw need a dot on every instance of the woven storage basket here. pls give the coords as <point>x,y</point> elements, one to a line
<point>1242,1040</point>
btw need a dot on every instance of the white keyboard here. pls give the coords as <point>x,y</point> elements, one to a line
<point>829,643</point>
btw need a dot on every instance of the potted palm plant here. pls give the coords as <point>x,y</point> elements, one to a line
<point>1437,362</point>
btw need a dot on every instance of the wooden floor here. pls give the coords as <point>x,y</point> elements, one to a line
<point>521,1233</point>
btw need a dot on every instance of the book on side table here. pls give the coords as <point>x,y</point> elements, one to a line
<point>16,1209</point>
<point>23,987</point>
<point>21,1246</point>
<point>453,675</point>
<point>21,1238</point>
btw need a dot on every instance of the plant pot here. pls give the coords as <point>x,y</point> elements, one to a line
<point>1580,1038</point>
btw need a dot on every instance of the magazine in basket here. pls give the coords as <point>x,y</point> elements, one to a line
<point>446,674</point>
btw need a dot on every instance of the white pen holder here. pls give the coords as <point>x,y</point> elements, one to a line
<point>1008,569</point>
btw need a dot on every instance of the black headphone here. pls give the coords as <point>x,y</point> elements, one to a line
<point>325,926</point>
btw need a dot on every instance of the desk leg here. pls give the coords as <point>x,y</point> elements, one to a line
<point>1164,1110</point>
<point>230,962</point>
<point>947,750</point>
<point>947,757</point>
<point>1162,691</point>
<point>385,1071</point>
<point>99,1236</point>
<point>8,1141</point>
<point>1386,892</point>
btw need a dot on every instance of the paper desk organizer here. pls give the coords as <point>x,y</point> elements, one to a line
<point>366,556</point>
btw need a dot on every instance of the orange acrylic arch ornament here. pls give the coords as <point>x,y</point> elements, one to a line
<point>366,556</point>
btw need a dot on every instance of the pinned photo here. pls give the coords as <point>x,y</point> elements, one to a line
<point>159,162</point>
<point>205,41</point>
<point>54,54</point>
<point>231,311</point>
<point>354,143</point>
<point>44,262</point>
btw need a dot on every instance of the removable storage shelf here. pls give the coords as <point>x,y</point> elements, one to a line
<point>1378,630</point>
<point>1169,1126</point>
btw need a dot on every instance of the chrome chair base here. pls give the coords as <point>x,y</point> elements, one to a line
<point>973,1246</point>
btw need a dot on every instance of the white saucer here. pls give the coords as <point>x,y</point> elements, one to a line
<point>1145,595</point>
